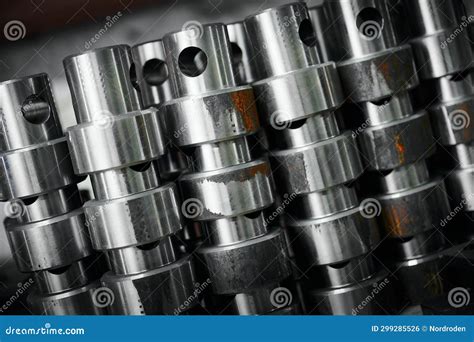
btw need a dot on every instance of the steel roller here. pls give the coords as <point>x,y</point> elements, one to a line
<point>227,190</point>
<point>134,215</point>
<point>313,160</point>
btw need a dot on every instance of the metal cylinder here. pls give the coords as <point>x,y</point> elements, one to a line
<point>312,160</point>
<point>133,216</point>
<point>226,190</point>
<point>370,62</point>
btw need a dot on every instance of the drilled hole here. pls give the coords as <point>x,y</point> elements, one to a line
<point>141,167</point>
<point>306,33</point>
<point>253,215</point>
<point>133,77</point>
<point>460,77</point>
<point>35,110</point>
<point>370,23</point>
<point>192,61</point>
<point>29,201</point>
<point>339,265</point>
<point>59,270</point>
<point>236,54</point>
<point>149,246</point>
<point>382,102</point>
<point>297,124</point>
<point>155,72</point>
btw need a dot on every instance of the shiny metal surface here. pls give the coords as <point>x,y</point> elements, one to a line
<point>173,286</point>
<point>152,73</point>
<point>370,62</point>
<point>100,81</point>
<point>50,243</point>
<point>434,23</point>
<point>243,63</point>
<point>213,120</point>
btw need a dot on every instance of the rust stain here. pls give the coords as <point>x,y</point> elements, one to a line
<point>396,219</point>
<point>400,147</point>
<point>385,69</point>
<point>262,168</point>
<point>244,101</point>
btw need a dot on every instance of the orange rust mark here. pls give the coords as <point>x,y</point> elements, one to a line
<point>400,147</point>
<point>244,101</point>
<point>395,221</point>
<point>262,168</point>
<point>385,69</point>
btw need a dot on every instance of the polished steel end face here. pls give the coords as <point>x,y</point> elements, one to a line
<point>78,301</point>
<point>168,290</point>
<point>50,243</point>
<point>143,217</point>
<point>246,265</point>
<point>116,142</point>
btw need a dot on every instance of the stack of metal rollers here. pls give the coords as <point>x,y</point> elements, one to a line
<point>446,72</point>
<point>395,140</point>
<point>314,162</point>
<point>134,217</point>
<point>227,190</point>
<point>45,223</point>
<point>297,214</point>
